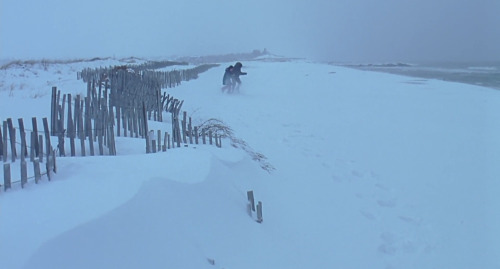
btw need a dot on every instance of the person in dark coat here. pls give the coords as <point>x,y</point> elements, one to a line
<point>227,80</point>
<point>236,75</point>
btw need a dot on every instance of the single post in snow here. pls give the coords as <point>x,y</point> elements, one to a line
<point>251,200</point>
<point>259,212</point>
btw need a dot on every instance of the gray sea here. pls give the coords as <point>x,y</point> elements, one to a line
<point>486,74</point>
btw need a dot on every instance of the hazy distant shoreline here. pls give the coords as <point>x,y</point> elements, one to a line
<point>480,74</point>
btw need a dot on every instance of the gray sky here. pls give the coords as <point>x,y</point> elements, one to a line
<point>338,30</point>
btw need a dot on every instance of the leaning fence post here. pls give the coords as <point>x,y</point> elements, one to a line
<point>12,135</point>
<point>259,212</point>
<point>22,132</point>
<point>251,199</point>
<point>4,141</point>
<point>6,176</point>
<point>47,137</point>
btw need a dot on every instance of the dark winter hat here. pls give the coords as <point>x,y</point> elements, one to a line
<point>238,64</point>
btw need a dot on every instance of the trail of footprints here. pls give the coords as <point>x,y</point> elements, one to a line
<point>401,232</point>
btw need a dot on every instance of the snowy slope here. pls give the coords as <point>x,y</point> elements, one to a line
<point>371,171</point>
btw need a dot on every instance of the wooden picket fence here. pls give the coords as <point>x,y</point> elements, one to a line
<point>118,102</point>
<point>24,152</point>
<point>183,133</point>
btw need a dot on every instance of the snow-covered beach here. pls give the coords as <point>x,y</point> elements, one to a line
<point>371,170</point>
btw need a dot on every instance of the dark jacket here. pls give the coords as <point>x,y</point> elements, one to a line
<point>237,70</point>
<point>227,75</point>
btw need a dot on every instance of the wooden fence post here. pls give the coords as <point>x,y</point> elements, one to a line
<point>184,115</point>
<point>24,173</point>
<point>36,167</point>
<point>251,200</point>
<point>53,110</point>
<point>158,138</point>
<point>90,137</point>
<point>24,148</point>
<point>60,125</point>
<point>6,176</point>
<point>34,142</point>
<point>259,212</point>
<point>40,148</point>
<point>168,141</point>
<point>190,131</point>
<point>23,145</point>
<point>165,141</point>
<point>12,135</point>
<point>48,146</point>
<point>35,131</point>
<point>71,130</point>
<point>54,167</point>
<point>196,136</point>
<point>1,142</point>
<point>146,130</point>
<point>4,141</point>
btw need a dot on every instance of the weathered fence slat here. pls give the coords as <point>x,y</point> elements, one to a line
<point>259,212</point>
<point>53,110</point>
<point>36,168</point>
<point>4,151</point>
<point>184,129</point>
<point>148,150</point>
<point>40,148</point>
<point>1,142</point>
<point>158,138</point>
<point>251,200</point>
<point>12,135</point>
<point>196,135</point>
<point>60,126</point>
<point>70,127</point>
<point>22,132</point>
<point>33,145</point>
<point>6,176</point>
<point>48,146</point>
<point>24,173</point>
<point>23,146</point>
<point>35,131</point>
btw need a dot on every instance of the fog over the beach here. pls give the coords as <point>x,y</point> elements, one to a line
<point>333,30</point>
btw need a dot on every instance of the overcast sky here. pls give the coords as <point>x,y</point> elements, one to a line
<point>338,30</point>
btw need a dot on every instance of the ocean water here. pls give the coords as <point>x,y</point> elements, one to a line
<point>486,74</point>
